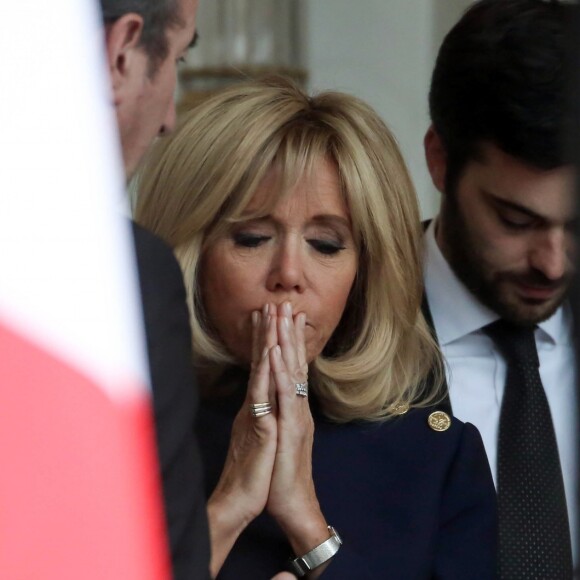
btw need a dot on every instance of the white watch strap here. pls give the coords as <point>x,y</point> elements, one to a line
<point>317,556</point>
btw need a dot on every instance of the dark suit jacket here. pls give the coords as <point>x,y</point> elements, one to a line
<point>175,401</point>
<point>409,502</point>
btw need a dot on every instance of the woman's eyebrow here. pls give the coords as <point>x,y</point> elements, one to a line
<point>332,218</point>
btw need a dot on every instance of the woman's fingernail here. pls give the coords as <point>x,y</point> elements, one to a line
<point>265,352</point>
<point>254,318</point>
<point>287,309</point>
<point>278,351</point>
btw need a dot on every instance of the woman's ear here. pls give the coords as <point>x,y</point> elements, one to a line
<point>124,53</point>
<point>436,158</point>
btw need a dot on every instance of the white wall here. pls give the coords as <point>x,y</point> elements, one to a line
<point>383,51</point>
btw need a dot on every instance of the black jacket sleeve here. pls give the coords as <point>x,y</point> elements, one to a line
<point>175,401</point>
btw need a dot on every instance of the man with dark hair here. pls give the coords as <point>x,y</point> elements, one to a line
<point>499,264</point>
<point>157,17</point>
<point>144,40</point>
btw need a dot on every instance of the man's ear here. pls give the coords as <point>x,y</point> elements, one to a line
<point>436,158</point>
<point>123,39</point>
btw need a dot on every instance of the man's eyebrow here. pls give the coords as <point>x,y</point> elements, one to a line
<point>515,207</point>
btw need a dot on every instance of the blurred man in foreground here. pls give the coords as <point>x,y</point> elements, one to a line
<point>145,39</point>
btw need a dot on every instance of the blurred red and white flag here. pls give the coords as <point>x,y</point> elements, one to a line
<point>79,491</point>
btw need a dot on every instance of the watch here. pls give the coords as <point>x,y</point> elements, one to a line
<point>317,556</point>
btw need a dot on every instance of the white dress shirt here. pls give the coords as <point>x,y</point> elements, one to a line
<point>476,372</point>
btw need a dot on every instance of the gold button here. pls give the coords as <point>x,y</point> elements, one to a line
<point>399,409</point>
<point>439,421</point>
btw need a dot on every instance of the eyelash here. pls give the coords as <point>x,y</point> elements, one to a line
<point>515,225</point>
<point>325,247</point>
<point>249,240</point>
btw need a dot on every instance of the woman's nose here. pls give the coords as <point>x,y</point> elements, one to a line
<point>287,270</point>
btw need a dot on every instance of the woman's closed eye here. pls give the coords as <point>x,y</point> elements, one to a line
<point>322,245</point>
<point>249,240</point>
<point>327,247</point>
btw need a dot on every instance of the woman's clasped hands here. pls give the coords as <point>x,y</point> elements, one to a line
<point>269,462</point>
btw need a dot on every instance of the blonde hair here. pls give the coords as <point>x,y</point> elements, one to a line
<point>197,182</point>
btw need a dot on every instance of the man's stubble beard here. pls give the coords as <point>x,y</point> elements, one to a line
<point>491,287</point>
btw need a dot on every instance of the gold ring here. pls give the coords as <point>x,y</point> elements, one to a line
<point>260,409</point>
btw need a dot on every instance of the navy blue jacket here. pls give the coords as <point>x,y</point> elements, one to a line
<point>409,502</point>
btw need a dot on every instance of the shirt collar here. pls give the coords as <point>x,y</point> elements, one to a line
<point>558,328</point>
<point>457,312</point>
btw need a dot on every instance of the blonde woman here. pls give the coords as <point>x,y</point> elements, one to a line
<point>297,229</point>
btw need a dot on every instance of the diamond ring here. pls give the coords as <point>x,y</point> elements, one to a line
<point>302,389</point>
